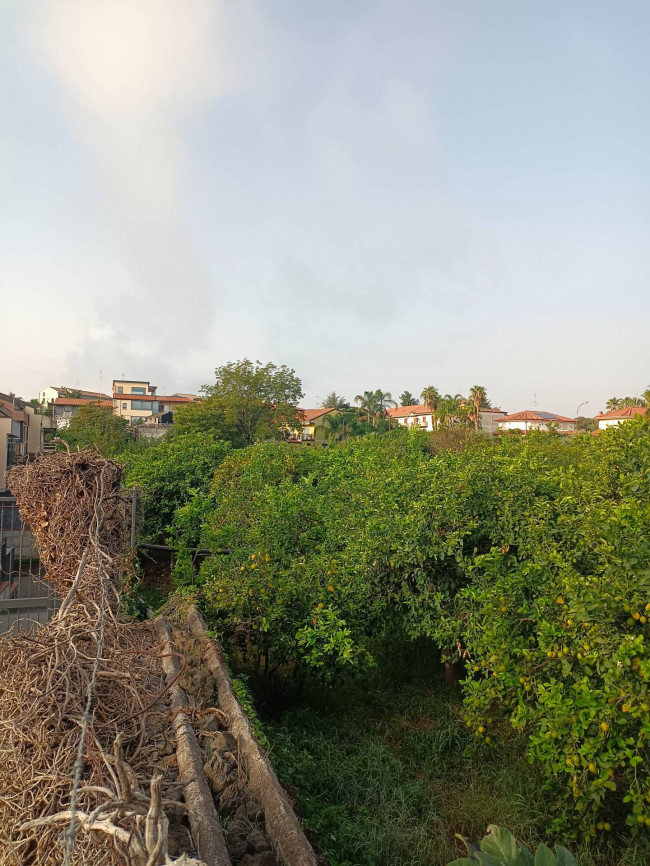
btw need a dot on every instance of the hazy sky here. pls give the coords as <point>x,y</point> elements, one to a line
<point>378,194</point>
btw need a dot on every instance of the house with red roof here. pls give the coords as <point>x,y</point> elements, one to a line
<point>534,419</point>
<point>617,416</point>
<point>137,400</point>
<point>313,431</point>
<point>420,416</point>
<point>66,408</point>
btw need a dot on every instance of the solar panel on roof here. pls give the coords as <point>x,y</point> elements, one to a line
<point>549,416</point>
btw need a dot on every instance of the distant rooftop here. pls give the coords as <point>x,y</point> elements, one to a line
<point>535,415</point>
<point>627,412</point>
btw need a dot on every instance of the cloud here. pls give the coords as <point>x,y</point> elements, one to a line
<point>133,77</point>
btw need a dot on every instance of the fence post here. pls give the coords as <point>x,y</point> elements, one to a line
<point>134,503</point>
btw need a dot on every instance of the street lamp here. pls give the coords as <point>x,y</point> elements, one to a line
<point>579,407</point>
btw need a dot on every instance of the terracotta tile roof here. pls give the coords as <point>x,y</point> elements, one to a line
<point>81,391</point>
<point>627,412</point>
<point>535,415</point>
<point>310,415</point>
<point>406,411</point>
<point>78,401</point>
<point>14,410</point>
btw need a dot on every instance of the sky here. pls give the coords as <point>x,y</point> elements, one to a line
<point>387,194</point>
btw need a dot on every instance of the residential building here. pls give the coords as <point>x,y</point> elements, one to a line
<point>65,408</point>
<point>412,416</point>
<point>420,416</point>
<point>137,400</point>
<point>617,416</point>
<point>489,419</point>
<point>312,431</point>
<point>48,396</point>
<point>532,419</point>
<point>23,433</point>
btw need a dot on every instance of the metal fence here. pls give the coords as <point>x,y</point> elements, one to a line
<point>25,597</point>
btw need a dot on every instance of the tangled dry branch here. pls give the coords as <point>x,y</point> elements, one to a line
<point>82,707</point>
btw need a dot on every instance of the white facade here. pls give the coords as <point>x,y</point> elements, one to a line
<point>421,420</point>
<point>544,426</point>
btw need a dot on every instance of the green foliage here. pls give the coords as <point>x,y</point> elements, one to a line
<point>174,475</point>
<point>407,399</point>
<point>249,402</point>
<point>304,584</point>
<point>335,401</point>
<point>95,425</point>
<point>500,848</point>
<point>527,555</point>
<point>387,773</point>
<point>554,621</point>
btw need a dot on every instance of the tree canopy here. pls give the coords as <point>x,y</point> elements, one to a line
<point>249,402</point>
<point>335,401</point>
<point>96,425</point>
<point>407,399</point>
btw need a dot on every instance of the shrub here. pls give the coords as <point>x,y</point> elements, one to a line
<point>171,473</point>
<point>554,626</point>
<point>526,556</point>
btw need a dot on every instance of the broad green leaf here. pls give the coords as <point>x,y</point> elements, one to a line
<point>500,843</point>
<point>544,856</point>
<point>564,856</point>
<point>488,859</point>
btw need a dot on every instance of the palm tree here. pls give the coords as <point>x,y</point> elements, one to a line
<point>646,396</point>
<point>632,401</point>
<point>335,401</point>
<point>334,423</point>
<point>478,397</point>
<point>368,403</point>
<point>384,402</point>
<point>430,397</point>
<point>613,403</point>
<point>450,409</point>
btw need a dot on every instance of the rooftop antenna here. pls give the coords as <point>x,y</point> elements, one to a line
<point>535,400</point>
<point>100,382</point>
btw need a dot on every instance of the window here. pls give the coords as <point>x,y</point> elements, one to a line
<point>138,390</point>
<point>123,405</point>
<point>145,405</point>
<point>120,389</point>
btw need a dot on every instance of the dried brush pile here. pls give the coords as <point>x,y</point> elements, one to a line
<point>82,712</point>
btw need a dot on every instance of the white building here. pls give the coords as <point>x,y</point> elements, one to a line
<point>532,419</point>
<point>613,419</point>
<point>420,416</point>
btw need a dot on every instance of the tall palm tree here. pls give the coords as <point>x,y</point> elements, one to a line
<point>478,398</point>
<point>368,403</point>
<point>613,403</point>
<point>632,401</point>
<point>384,402</point>
<point>430,397</point>
<point>646,396</point>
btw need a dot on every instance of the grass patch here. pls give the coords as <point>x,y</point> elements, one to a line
<point>388,773</point>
